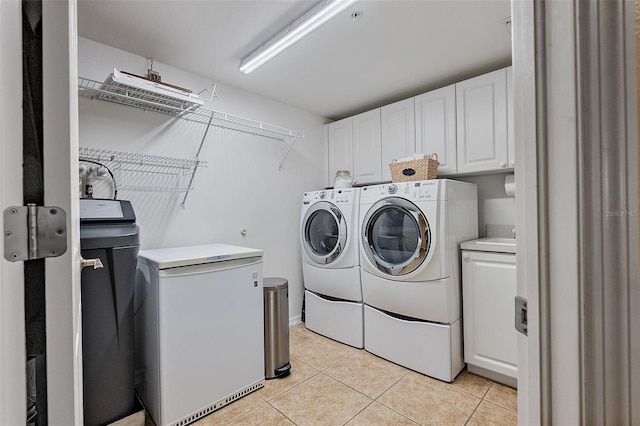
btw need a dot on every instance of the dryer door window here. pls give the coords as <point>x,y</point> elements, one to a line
<point>396,236</point>
<point>324,233</point>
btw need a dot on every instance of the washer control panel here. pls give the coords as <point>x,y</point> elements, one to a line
<point>336,196</point>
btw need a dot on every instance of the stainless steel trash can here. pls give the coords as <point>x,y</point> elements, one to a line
<point>276,328</point>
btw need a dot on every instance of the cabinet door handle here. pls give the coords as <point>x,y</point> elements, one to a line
<point>465,256</point>
<point>503,164</point>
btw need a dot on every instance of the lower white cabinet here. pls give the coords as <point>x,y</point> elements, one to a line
<point>488,293</point>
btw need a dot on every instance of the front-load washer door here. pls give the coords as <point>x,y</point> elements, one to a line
<point>396,236</point>
<point>324,233</point>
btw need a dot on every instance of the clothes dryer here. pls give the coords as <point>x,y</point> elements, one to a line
<point>331,265</point>
<point>410,237</point>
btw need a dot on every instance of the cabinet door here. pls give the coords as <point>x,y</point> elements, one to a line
<point>398,133</point>
<point>481,105</point>
<point>436,127</point>
<point>488,293</point>
<point>511,142</point>
<point>367,147</point>
<point>340,144</point>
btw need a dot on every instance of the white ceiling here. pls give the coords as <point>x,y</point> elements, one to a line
<point>396,49</point>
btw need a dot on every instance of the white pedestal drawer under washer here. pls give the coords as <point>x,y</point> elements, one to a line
<point>331,264</point>
<point>409,252</point>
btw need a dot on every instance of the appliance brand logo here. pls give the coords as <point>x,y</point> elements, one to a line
<point>220,257</point>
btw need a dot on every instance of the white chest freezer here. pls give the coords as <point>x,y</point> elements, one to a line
<point>199,329</point>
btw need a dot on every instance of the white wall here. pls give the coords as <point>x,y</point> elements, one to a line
<point>241,189</point>
<point>494,206</point>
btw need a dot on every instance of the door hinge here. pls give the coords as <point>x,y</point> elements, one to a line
<point>34,232</point>
<point>521,315</point>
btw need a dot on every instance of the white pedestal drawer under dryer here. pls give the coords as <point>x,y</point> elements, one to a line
<point>410,260</point>
<point>331,264</point>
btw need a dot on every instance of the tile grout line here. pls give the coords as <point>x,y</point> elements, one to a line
<point>293,387</point>
<point>499,405</point>
<point>496,403</point>
<point>387,390</point>
<point>334,363</point>
<point>239,415</point>
<point>285,416</point>
<point>347,385</point>
<point>356,415</point>
<point>474,411</point>
<point>397,412</point>
<point>372,400</point>
<point>386,406</point>
<point>470,393</point>
<point>330,378</point>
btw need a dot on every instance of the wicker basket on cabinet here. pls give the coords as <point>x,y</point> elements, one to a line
<point>422,169</point>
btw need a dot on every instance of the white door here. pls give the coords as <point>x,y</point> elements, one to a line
<point>398,133</point>
<point>367,147</point>
<point>12,324</point>
<point>60,148</point>
<point>60,137</point>
<point>436,127</point>
<point>481,106</point>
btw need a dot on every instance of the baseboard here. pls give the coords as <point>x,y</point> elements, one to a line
<point>496,377</point>
<point>295,320</point>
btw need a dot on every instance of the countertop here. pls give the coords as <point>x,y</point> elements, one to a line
<point>498,245</point>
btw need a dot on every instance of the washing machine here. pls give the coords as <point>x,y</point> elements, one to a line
<point>331,264</point>
<point>410,234</point>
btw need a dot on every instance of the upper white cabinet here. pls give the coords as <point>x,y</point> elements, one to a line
<point>340,141</point>
<point>367,147</point>
<point>355,144</point>
<point>398,133</point>
<point>436,127</point>
<point>481,115</point>
<point>511,141</point>
<point>468,124</point>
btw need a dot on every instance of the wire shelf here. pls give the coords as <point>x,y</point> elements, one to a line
<point>112,92</point>
<point>143,172</point>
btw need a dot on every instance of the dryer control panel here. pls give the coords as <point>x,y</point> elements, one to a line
<point>418,191</point>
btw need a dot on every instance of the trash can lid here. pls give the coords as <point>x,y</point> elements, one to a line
<point>274,283</point>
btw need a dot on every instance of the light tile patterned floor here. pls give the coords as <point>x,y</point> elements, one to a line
<point>335,384</point>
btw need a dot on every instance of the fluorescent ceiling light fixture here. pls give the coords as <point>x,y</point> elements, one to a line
<point>310,21</point>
